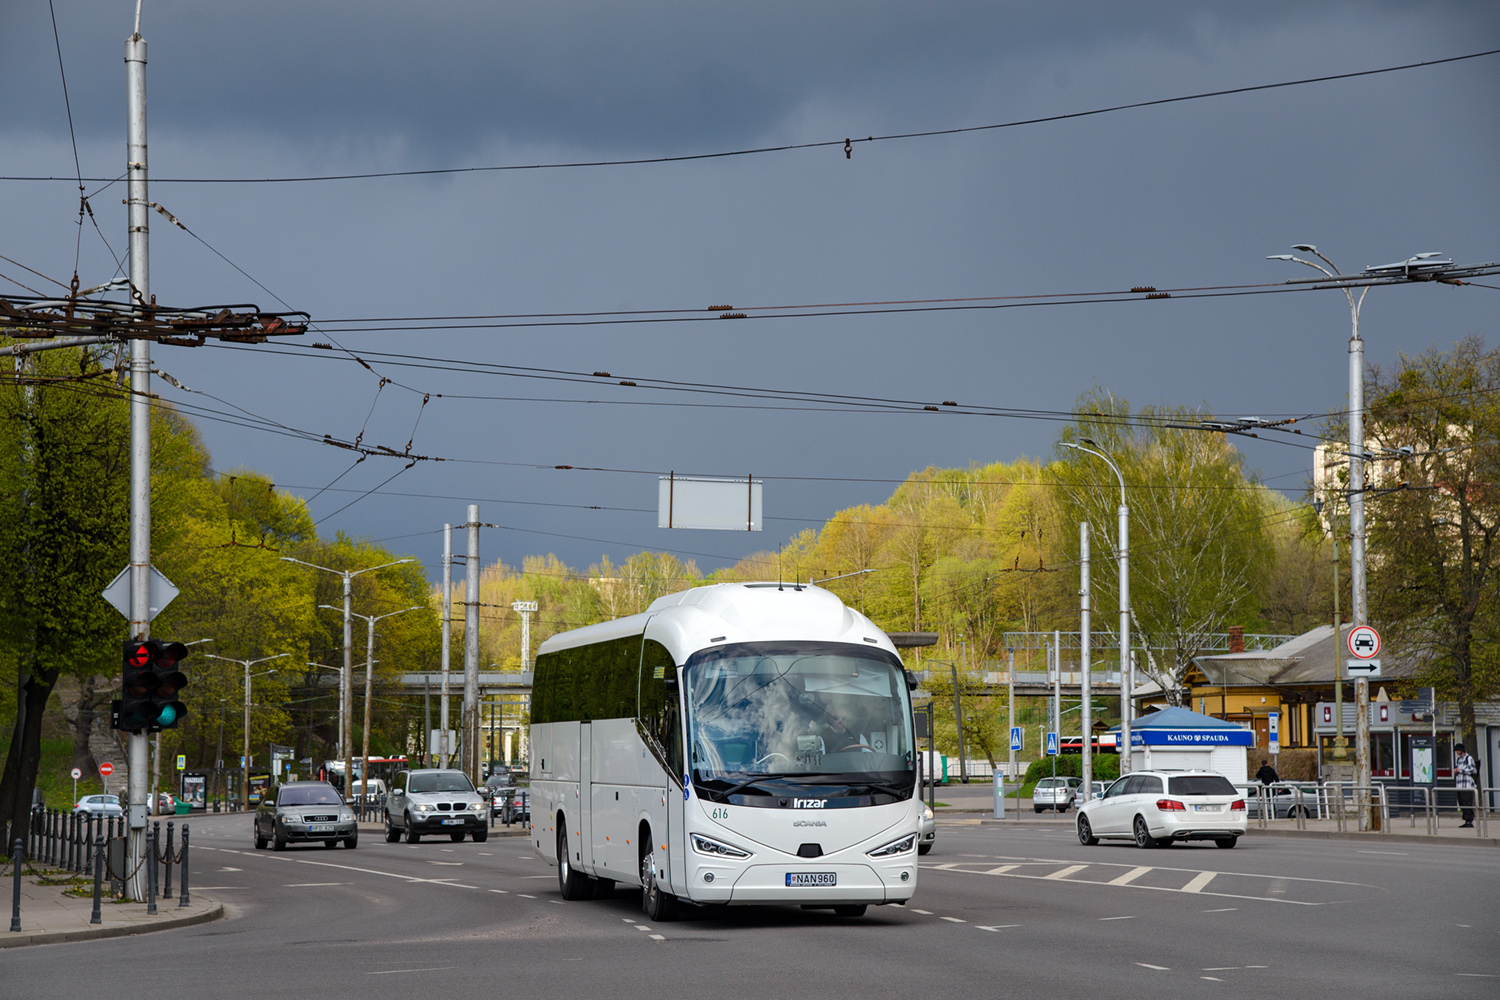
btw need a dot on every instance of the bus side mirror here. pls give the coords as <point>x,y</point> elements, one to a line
<point>911,681</point>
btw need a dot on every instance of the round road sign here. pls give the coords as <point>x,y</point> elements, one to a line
<point>77,774</point>
<point>106,769</point>
<point>1364,642</point>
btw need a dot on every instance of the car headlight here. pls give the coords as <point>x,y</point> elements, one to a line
<point>715,849</point>
<point>901,846</point>
<point>477,806</point>
<point>423,808</point>
<point>927,812</point>
<point>346,817</point>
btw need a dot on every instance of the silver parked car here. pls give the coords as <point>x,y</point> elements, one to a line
<point>1079,798</point>
<point>1054,793</point>
<point>434,801</point>
<point>100,805</point>
<point>303,811</point>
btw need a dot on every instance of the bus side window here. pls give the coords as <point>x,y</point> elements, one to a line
<point>660,705</point>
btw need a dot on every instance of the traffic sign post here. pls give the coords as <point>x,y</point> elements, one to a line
<point>77,773</point>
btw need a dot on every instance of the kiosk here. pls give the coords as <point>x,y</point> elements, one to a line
<point>1182,738</point>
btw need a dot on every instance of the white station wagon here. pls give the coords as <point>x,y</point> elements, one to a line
<point>1159,808</point>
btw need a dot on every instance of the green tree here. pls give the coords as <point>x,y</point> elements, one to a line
<point>1434,518</point>
<point>1199,549</point>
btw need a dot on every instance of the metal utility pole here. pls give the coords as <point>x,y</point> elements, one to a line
<point>364,750</point>
<point>1127,656</point>
<point>471,648</point>
<point>1086,717</point>
<point>443,748</point>
<point>138,199</point>
<point>1010,675</point>
<point>1057,686</point>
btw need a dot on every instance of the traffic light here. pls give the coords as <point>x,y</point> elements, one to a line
<point>150,684</point>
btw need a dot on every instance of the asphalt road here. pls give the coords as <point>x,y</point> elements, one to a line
<point>1023,911</point>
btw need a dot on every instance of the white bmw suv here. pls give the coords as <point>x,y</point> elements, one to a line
<point>1159,808</point>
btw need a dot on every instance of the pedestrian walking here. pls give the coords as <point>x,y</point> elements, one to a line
<point>1465,775</point>
<point>1267,774</point>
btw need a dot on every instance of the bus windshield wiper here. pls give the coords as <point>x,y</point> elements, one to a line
<point>749,782</point>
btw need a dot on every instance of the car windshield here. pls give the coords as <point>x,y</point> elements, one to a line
<point>440,781</point>
<point>310,795</point>
<point>765,717</point>
<point>1200,784</point>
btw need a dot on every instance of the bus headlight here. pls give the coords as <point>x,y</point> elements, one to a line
<point>715,849</point>
<point>901,846</point>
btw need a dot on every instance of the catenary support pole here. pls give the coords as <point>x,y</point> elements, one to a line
<point>138,200</point>
<point>471,648</point>
<point>443,748</point>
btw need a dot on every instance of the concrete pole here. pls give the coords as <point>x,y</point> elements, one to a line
<point>1357,547</point>
<point>245,759</point>
<point>138,199</point>
<point>1085,717</point>
<point>1057,686</point>
<point>443,749</point>
<point>471,648</point>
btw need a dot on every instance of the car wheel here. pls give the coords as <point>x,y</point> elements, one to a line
<point>923,848</point>
<point>279,842</point>
<point>1086,832</point>
<point>480,836</point>
<point>260,842</point>
<point>331,843</point>
<point>412,836</point>
<point>1143,836</point>
<point>457,838</point>
<point>391,833</point>
<point>850,910</point>
<point>1226,842</point>
<point>572,883</point>
<point>656,902</point>
<point>351,841</point>
<point>1040,808</point>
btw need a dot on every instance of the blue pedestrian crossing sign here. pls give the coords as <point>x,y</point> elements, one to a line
<point>1051,744</point>
<point>1017,738</point>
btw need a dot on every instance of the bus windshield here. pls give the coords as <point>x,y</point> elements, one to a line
<point>799,718</point>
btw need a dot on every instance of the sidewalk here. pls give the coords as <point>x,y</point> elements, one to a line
<point>49,915</point>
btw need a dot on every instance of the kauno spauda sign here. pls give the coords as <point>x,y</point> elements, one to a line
<point>1235,737</point>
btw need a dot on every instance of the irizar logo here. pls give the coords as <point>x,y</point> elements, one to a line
<point>809,803</point>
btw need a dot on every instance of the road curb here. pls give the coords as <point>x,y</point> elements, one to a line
<point>22,939</point>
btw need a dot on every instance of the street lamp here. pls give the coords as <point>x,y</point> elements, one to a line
<point>247,664</point>
<point>346,702</point>
<point>1127,662</point>
<point>364,753</point>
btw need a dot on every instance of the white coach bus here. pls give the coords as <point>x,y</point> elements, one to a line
<point>738,743</point>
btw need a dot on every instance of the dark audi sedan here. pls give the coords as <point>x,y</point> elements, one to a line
<point>302,811</point>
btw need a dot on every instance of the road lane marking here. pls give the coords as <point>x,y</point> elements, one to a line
<point>1001,869</point>
<point>1224,968</point>
<point>1198,882</point>
<point>1212,979</point>
<point>1117,918</point>
<point>309,885</point>
<point>1129,876</point>
<point>657,937</point>
<point>1397,853</point>
<point>393,972</point>
<point>228,869</point>
<point>215,888</point>
<point>642,927</point>
<point>1064,873</point>
<point>501,892</point>
<point>1226,909</point>
<point>995,927</point>
<point>925,913</point>
<point>450,863</point>
<point>524,896</point>
<point>1158,968</point>
<point>954,920</point>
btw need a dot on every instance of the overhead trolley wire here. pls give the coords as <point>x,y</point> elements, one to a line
<point>846,143</point>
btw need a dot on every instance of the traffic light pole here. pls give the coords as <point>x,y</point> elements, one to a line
<point>137,198</point>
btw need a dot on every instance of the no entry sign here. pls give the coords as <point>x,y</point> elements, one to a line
<point>106,769</point>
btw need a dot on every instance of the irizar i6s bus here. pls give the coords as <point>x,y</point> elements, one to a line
<point>735,744</point>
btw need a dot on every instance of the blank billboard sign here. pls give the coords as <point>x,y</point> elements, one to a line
<point>713,504</point>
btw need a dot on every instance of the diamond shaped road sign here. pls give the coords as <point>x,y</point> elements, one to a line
<point>118,593</point>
